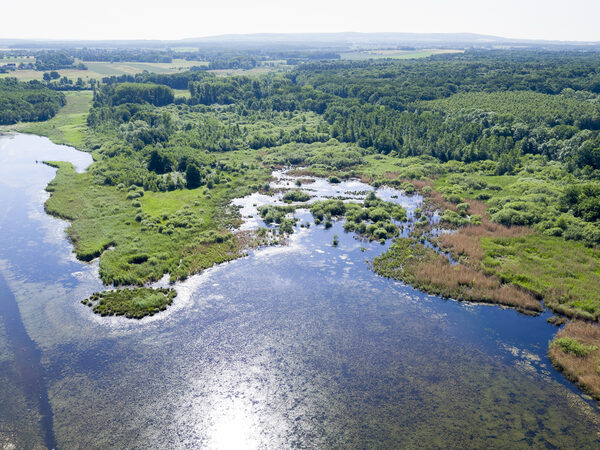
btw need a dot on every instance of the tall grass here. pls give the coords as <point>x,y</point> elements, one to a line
<point>420,266</point>
<point>575,352</point>
<point>465,244</point>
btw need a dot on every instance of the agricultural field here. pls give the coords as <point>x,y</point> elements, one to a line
<point>99,70</point>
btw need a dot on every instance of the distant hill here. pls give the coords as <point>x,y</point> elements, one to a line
<point>311,40</point>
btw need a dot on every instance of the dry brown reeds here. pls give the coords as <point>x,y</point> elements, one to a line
<point>419,184</point>
<point>465,244</point>
<point>464,280</point>
<point>391,175</point>
<point>583,370</point>
<point>459,281</point>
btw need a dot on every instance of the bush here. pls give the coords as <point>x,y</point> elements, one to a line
<point>573,346</point>
<point>296,196</point>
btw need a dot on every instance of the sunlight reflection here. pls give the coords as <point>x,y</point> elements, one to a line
<point>234,427</point>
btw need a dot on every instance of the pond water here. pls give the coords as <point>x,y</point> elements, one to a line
<point>300,345</point>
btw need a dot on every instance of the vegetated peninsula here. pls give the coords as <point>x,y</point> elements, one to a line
<point>503,145</point>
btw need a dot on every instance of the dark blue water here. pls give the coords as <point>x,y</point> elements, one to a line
<point>292,346</point>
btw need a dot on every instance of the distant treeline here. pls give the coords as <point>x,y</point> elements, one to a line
<point>128,55</point>
<point>50,60</point>
<point>118,94</point>
<point>30,101</point>
<point>176,80</point>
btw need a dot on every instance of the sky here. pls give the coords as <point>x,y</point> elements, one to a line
<point>177,19</point>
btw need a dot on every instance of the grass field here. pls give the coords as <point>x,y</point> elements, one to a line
<point>185,93</point>
<point>68,126</point>
<point>250,72</point>
<point>100,70</point>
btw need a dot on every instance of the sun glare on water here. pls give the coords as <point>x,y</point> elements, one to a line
<point>234,428</point>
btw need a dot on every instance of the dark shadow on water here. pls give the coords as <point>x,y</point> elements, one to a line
<point>27,358</point>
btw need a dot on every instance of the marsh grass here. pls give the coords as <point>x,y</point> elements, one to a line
<point>565,274</point>
<point>574,351</point>
<point>411,262</point>
<point>296,196</point>
<point>180,232</point>
<point>465,243</point>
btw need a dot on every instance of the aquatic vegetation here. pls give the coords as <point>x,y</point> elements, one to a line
<point>181,231</point>
<point>536,169</point>
<point>557,320</point>
<point>132,303</point>
<point>274,213</point>
<point>574,351</point>
<point>296,196</point>
<point>277,214</point>
<point>562,273</point>
<point>372,219</point>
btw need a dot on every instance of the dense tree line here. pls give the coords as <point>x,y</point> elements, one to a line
<point>118,94</point>
<point>243,61</point>
<point>51,60</point>
<point>178,80</point>
<point>122,55</point>
<point>30,101</point>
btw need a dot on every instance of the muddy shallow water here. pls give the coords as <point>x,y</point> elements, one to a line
<point>299,345</point>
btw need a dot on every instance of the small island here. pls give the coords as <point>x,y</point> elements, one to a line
<point>131,303</point>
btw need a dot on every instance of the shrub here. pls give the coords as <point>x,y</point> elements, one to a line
<point>296,196</point>
<point>573,346</point>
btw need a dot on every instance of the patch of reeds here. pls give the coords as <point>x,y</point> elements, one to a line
<point>466,241</point>
<point>410,261</point>
<point>575,352</point>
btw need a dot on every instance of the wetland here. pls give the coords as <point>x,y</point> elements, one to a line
<point>310,349</point>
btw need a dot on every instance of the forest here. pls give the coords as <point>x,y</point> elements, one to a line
<point>27,101</point>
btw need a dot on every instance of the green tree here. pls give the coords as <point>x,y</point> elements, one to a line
<point>192,176</point>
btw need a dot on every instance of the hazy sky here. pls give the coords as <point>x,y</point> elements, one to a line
<point>175,19</point>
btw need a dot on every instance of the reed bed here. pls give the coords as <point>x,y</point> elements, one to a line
<point>575,352</point>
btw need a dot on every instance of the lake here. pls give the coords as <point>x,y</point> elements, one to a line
<point>293,346</point>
